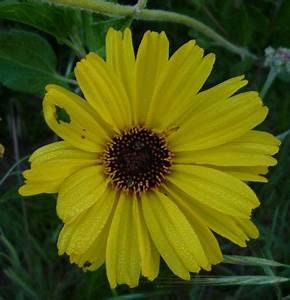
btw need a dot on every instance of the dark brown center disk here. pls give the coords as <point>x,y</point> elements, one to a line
<point>137,160</point>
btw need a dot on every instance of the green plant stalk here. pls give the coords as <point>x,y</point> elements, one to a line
<point>111,9</point>
<point>283,135</point>
<point>269,81</point>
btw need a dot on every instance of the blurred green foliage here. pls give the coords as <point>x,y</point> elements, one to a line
<point>40,44</point>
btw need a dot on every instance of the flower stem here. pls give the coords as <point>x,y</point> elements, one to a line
<point>269,81</point>
<point>283,135</point>
<point>112,9</point>
<point>14,166</point>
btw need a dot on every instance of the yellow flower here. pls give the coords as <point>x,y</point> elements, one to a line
<point>1,151</point>
<point>149,166</point>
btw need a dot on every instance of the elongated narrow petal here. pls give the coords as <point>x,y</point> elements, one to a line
<point>246,173</point>
<point>120,58</point>
<point>103,90</point>
<point>217,221</point>
<point>51,165</point>
<point>122,253</point>
<point>207,239</point>
<point>93,256</point>
<point>173,236</point>
<point>215,189</point>
<point>217,93</point>
<point>252,149</point>
<point>91,224</point>
<point>57,151</point>
<point>151,59</point>
<point>180,80</point>
<point>249,228</point>
<point>150,258</point>
<point>220,123</point>
<point>83,129</point>
<point>90,183</point>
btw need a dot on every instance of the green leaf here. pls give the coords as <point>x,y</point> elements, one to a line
<point>251,261</point>
<point>59,22</point>
<point>224,280</point>
<point>27,62</point>
<point>20,282</point>
<point>12,252</point>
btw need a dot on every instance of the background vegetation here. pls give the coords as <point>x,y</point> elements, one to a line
<point>39,44</point>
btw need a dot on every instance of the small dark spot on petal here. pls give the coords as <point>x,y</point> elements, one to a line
<point>87,264</point>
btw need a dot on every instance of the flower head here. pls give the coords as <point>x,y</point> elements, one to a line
<point>149,166</point>
<point>278,59</point>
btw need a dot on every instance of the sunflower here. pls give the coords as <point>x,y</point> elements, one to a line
<point>149,166</point>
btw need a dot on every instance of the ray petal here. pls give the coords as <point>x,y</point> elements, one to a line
<point>84,129</point>
<point>246,173</point>
<point>120,58</point>
<point>122,253</point>
<point>80,191</point>
<point>181,79</point>
<point>91,223</point>
<point>215,189</point>
<point>150,258</point>
<point>51,165</point>
<point>151,58</point>
<point>218,222</point>
<point>220,123</point>
<point>173,236</point>
<point>252,149</point>
<point>207,239</point>
<point>103,90</point>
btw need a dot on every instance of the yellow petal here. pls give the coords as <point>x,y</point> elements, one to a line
<point>120,58</point>
<point>51,165</point>
<point>207,239</point>
<point>57,169</point>
<point>84,129</point>
<point>182,78</point>
<point>220,123</point>
<point>215,189</point>
<point>122,253</point>
<point>66,234</point>
<point>94,256</point>
<point>104,91</point>
<point>252,149</point>
<point>57,151</point>
<point>219,222</point>
<point>150,258</point>
<point>151,58</point>
<point>92,223</point>
<point>217,93</point>
<point>246,173</point>
<point>33,187</point>
<point>80,191</point>
<point>173,236</point>
<point>249,228</point>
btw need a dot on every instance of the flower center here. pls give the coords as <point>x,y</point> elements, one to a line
<point>137,160</point>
